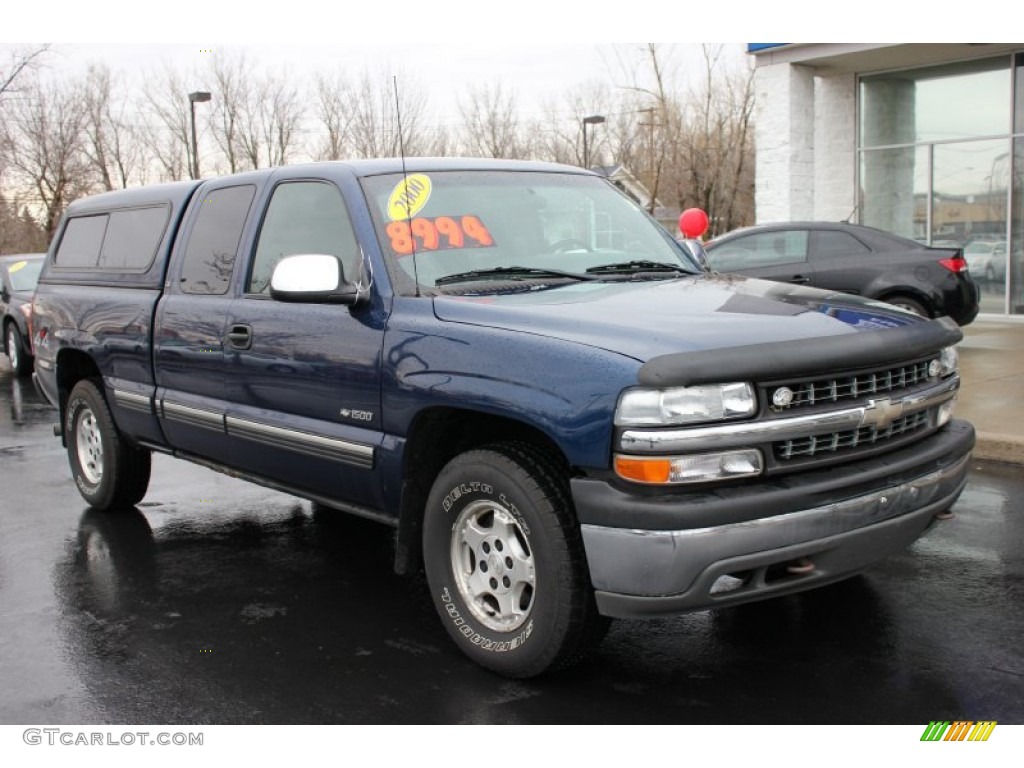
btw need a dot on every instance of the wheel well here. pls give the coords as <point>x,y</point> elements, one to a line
<point>72,367</point>
<point>436,437</point>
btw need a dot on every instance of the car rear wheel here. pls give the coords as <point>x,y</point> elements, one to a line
<point>505,563</point>
<point>109,472</point>
<point>909,304</point>
<point>21,363</point>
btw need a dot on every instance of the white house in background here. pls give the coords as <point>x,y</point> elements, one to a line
<point>924,140</point>
<point>628,183</point>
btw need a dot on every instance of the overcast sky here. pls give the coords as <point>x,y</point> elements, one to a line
<point>537,72</point>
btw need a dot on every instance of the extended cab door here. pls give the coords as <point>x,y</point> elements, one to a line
<point>189,325</point>
<point>303,380</point>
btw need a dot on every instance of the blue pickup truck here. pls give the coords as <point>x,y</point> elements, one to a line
<point>565,416</point>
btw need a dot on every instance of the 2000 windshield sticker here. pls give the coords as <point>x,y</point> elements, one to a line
<point>408,232</point>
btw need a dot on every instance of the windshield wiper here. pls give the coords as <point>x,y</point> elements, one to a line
<point>509,272</point>
<point>642,265</point>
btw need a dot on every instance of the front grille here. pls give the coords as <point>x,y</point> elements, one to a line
<point>848,440</point>
<point>840,388</point>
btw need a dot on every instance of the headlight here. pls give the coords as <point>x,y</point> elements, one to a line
<point>697,468</point>
<point>685,405</point>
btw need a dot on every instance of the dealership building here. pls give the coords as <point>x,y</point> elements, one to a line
<point>923,140</point>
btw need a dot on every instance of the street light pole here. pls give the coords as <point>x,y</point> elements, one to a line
<point>589,120</point>
<point>193,97</point>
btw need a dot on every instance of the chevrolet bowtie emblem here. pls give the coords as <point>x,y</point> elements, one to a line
<point>881,413</point>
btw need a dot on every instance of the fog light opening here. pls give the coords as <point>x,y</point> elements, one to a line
<point>945,515</point>
<point>731,582</point>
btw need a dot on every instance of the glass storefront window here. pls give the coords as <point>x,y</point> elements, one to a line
<point>947,103</point>
<point>1015,267</point>
<point>938,163</point>
<point>894,191</point>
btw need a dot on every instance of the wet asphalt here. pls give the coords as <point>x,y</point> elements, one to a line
<point>219,602</point>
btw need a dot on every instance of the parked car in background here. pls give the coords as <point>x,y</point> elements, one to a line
<point>986,260</point>
<point>18,277</point>
<point>851,258</point>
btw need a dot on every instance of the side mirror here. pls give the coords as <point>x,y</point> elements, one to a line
<point>313,278</point>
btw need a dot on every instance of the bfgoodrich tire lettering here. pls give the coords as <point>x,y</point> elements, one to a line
<point>109,473</point>
<point>505,564</point>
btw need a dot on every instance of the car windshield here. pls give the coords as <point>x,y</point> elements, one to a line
<point>453,228</point>
<point>25,274</point>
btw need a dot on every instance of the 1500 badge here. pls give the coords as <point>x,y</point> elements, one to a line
<point>346,413</point>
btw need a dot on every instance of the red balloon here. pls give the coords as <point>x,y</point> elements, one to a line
<point>693,223</point>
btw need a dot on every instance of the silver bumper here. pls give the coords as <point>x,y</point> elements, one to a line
<point>652,572</point>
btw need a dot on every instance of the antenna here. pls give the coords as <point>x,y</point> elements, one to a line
<point>405,184</point>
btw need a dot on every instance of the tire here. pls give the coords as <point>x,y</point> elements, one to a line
<point>911,305</point>
<point>21,362</point>
<point>505,564</point>
<point>110,473</point>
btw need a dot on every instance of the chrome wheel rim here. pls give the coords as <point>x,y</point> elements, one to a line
<point>90,446</point>
<point>13,353</point>
<point>493,566</point>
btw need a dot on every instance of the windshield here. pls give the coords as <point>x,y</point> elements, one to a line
<point>25,274</point>
<point>481,226</point>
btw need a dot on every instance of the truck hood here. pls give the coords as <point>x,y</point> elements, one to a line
<point>644,320</point>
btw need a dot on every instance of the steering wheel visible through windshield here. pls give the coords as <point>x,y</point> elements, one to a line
<point>459,227</point>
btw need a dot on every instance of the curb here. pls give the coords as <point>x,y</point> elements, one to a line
<point>992,446</point>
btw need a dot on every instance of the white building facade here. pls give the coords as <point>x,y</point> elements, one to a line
<point>922,140</point>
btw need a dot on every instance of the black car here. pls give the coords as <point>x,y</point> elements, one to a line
<point>18,277</point>
<point>853,259</point>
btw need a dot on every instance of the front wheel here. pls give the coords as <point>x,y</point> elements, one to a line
<point>109,473</point>
<point>505,563</point>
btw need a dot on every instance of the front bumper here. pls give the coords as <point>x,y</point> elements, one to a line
<point>683,552</point>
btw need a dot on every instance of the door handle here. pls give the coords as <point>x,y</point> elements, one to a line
<point>799,279</point>
<point>240,336</point>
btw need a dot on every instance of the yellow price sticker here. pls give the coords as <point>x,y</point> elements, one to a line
<point>409,196</point>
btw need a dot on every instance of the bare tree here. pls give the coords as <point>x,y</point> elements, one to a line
<point>375,117</point>
<point>715,169</point>
<point>230,98</point>
<point>491,123</point>
<point>255,117</point>
<point>278,114</point>
<point>169,136</point>
<point>20,63</point>
<point>334,109</point>
<point>110,144</point>
<point>694,148</point>
<point>650,76</point>
<point>44,139</point>
<point>559,135</point>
